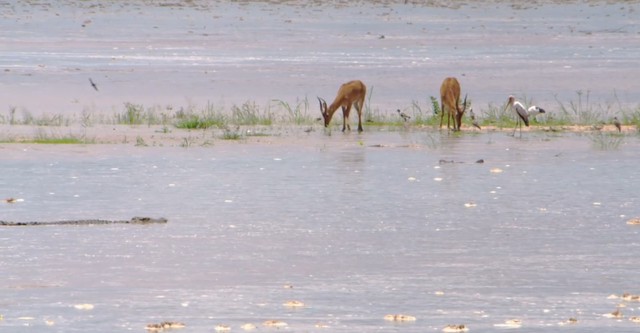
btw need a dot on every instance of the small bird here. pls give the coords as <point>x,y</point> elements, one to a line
<point>404,115</point>
<point>474,122</point>
<point>617,123</point>
<point>93,84</point>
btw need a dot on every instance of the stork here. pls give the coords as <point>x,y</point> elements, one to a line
<point>522,113</point>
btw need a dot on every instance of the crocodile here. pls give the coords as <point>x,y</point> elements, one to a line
<point>134,220</point>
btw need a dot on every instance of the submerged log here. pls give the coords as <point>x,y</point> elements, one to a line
<point>134,220</point>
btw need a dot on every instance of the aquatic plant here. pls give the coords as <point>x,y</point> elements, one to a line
<point>582,111</point>
<point>209,117</point>
<point>297,114</point>
<point>132,114</point>
<point>249,114</point>
<point>606,141</point>
<point>231,135</point>
<point>435,105</point>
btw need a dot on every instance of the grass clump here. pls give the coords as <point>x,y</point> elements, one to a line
<point>606,141</point>
<point>298,114</point>
<point>209,117</point>
<point>231,135</point>
<point>249,114</point>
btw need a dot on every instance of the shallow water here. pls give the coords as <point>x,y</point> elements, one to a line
<point>228,53</point>
<point>360,225</point>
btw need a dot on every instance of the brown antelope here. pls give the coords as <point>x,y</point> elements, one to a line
<point>450,98</point>
<point>350,93</point>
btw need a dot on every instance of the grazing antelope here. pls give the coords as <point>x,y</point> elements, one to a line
<point>350,93</point>
<point>450,98</point>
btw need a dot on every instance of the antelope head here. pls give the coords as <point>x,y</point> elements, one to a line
<point>460,113</point>
<point>323,110</point>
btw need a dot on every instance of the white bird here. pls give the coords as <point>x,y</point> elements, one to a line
<point>534,111</point>
<point>520,111</point>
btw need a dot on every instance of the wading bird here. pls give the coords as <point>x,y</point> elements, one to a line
<point>404,115</point>
<point>93,84</point>
<point>617,124</point>
<point>534,111</point>
<point>474,122</point>
<point>523,115</point>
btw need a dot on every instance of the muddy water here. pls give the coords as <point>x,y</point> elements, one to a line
<point>228,53</point>
<point>360,225</point>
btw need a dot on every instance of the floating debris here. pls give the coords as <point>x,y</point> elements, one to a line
<point>480,161</point>
<point>288,286</point>
<point>455,328</point>
<point>439,293</point>
<point>634,221</point>
<point>399,317</point>
<point>275,323</point>
<point>495,170</point>
<point>412,179</point>
<point>222,328</point>
<point>470,204</point>
<point>293,304</point>
<point>438,179</point>
<point>321,325</point>
<point>13,200</point>
<point>249,327</point>
<point>164,326</point>
<point>570,321</point>
<point>631,298</point>
<point>511,323</point>
<point>614,314</point>
<point>85,306</point>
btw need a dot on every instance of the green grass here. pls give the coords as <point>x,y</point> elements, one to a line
<point>297,114</point>
<point>249,114</point>
<point>58,141</point>
<point>582,110</point>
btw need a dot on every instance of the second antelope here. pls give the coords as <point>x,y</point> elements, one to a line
<point>350,93</point>
<point>450,102</point>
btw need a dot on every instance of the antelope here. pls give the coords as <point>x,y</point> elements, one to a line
<point>450,98</point>
<point>350,93</point>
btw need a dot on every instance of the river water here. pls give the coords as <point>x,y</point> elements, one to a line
<point>226,53</point>
<point>359,226</point>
